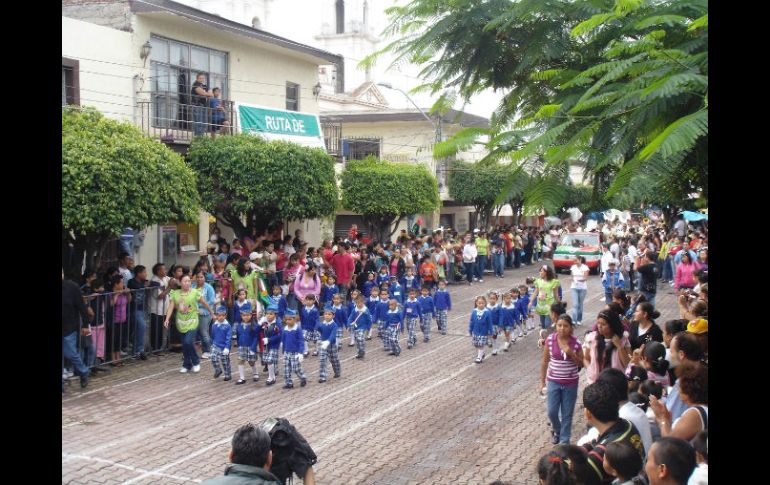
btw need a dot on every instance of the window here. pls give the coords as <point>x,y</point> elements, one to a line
<point>360,148</point>
<point>70,82</point>
<point>292,96</point>
<point>173,67</point>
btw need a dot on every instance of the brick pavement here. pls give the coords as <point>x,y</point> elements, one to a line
<point>428,416</point>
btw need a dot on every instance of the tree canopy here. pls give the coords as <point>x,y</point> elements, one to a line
<point>114,177</point>
<point>620,86</point>
<point>246,178</point>
<point>384,192</point>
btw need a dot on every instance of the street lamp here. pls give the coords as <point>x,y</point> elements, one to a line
<point>436,128</point>
<point>145,53</point>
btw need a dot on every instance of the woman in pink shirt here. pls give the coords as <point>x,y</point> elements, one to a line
<point>684,273</point>
<point>307,282</point>
<point>607,347</point>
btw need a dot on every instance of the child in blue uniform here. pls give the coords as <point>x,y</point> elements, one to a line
<point>494,316</point>
<point>427,310</point>
<point>360,322</point>
<point>383,276</point>
<point>293,348</point>
<point>410,281</point>
<point>509,317</point>
<point>480,327</point>
<point>327,330</point>
<point>354,294</point>
<point>340,317</point>
<point>521,315</point>
<point>221,341</point>
<point>278,300</point>
<point>237,305</point>
<point>526,314</point>
<point>443,304</point>
<point>271,339</point>
<point>396,291</point>
<point>329,290</point>
<point>369,284</point>
<point>411,315</point>
<point>371,304</point>
<point>394,319</point>
<point>309,319</point>
<point>383,331</point>
<point>248,336</point>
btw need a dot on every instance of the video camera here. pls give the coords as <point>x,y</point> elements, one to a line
<point>291,452</point>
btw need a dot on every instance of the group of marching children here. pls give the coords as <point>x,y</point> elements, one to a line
<point>490,318</point>
<point>319,326</point>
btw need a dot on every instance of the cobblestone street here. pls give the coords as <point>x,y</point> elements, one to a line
<point>429,416</point>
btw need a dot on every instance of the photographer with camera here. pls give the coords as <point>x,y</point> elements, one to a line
<point>268,454</point>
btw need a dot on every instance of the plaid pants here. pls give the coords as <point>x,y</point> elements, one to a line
<point>441,316</point>
<point>361,340</point>
<point>291,364</point>
<point>339,336</point>
<point>425,320</point>
<point>216,357</point>
<point>383,332</point>
<point>393,344</point>
<point>326,354</point>
<point>411,327</point>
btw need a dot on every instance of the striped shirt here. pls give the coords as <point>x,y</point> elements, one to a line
<point>562,369</point>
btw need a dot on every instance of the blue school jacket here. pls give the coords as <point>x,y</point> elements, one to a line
<point>480,322</point>
<point>393,318</point>
<point>292,340</point>
<point>426,304</point>
<point>411,309</point>
<point>328,331</point>
<point>509,316</point>
<point>309,318</point>
<point>280,302</point>
<point>221,334</point>
<point>442,300</point>
<point>362,318</point>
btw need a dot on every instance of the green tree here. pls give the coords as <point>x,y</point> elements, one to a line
<point>619,85</point>
<point>114,177</point>
<point>384,192</point>
<point>479,185</point>
<point>253,183</point>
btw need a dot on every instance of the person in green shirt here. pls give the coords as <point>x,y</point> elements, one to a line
<point>185,301</point>
<point>245,277</point>
<point>482,248</point>
<point>546,293</point>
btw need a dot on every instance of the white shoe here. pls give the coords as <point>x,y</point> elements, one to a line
<point>494,352</point>
<point>196,368</point>
<point>206,355</point>
<point>579,323</point>
<point>481,280</point>
<point>183,370</point>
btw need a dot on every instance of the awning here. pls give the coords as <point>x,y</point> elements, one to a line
<point>694,216</point>
<point>276,124</point>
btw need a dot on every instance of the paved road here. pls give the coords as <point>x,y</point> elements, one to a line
<point>429,416</point>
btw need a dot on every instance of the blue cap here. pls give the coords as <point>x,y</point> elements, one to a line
<point>221,309</point>
<point>290,313</point>
<point>273,308</point>
<point>246,308</point>
<point>329,308</point>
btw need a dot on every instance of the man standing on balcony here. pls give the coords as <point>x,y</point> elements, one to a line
<point>198,98</point>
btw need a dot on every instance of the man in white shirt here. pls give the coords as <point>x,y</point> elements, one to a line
<point>606,258</point>
<point>159,302</point>
<point>615,248</point>
<point>469,258</point>
<point>680,226</point>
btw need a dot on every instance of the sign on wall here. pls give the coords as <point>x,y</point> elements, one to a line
<point>276,124</point>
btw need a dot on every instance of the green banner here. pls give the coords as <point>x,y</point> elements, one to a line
<point>278,122</point>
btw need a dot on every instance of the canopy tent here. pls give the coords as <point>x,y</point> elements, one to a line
<point>574,214</point>
<point>690,216</point>
<point>552,221</point>
<point>596,216</point>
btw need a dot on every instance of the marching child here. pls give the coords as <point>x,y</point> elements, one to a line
<point>494,316</point>
<point>237,306</point>
<point>372,304</point>
<point>360,322</point>
<point>383,331</point>
<point>327,330</point>
<point>354,294</point>
<point>427,310</point>
<point>520,317</point>
<point>248,336</point>
<point>396,291</point>
<point>369,284</point>
<point>309,319</point>
<point>509,317</point>
<point>383,276</point>
<point>341,317</point>
<point>524,302</point>
<point>411,314</point>
<point>612,280</point>
<point>443,303</point>
<point>394,319</point>
<point>410,281</point>
<point>293,348</point>
<point>271,339</point>
<point>329,290</point>
<point>278,300</point>
<point>221,340</point>
<point>480,327</point>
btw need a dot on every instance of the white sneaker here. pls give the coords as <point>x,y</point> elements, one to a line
<point>206,355</point>
<point>579,323</point>
<point>494,352</point>
<point>481,280</point>
<point>183,370</point>
<point>196,368</point>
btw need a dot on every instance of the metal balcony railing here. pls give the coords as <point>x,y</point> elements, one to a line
<point>165,118</point>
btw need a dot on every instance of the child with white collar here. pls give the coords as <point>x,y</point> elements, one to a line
<point>327,331</point>
<point>293,348</point>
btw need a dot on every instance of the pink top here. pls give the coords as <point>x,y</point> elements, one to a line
<point>303,288</point>
<point>562,369</point>
<point>593,370</point>
<point>120,309</point>
<point>684,276</point>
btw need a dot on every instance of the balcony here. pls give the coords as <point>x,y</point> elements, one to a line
<point>166,119</point>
